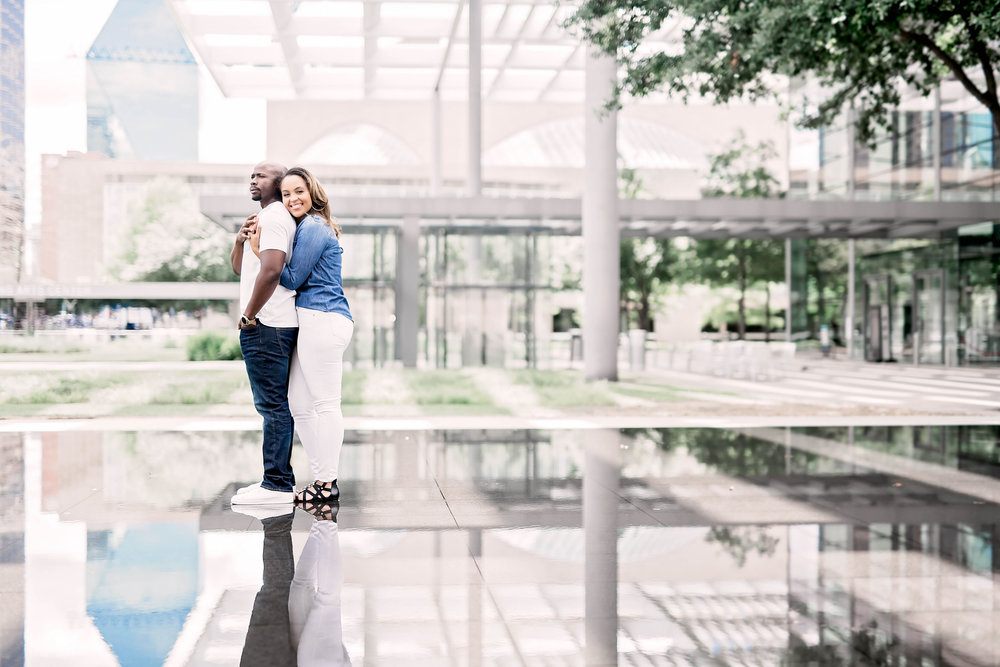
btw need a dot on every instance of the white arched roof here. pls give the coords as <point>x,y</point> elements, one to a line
<point>560,143</point>
<point>359,144</point>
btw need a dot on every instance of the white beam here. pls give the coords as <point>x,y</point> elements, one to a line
<point>510,54</point>
<point>372,16</point>
<point>282,14</point>
<point>474,180</point>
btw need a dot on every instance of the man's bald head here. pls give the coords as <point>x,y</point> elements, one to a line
<point>265,182</point>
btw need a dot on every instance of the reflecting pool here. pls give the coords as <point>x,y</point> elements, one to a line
<point>757,546</point>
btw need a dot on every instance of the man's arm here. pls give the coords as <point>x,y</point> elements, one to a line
<point>236,256</point>
<point>271,263</point>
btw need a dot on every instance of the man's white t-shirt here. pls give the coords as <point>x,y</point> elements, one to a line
<point>277,231</point>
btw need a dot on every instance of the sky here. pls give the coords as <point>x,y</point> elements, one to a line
<point>57,35</point>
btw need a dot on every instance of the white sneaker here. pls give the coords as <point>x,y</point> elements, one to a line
<point>261,512</point>
<point>262,496</point>
<point>244,489</point>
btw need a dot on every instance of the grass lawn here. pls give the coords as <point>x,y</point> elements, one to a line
<point>562,389</point>
<point>92,346</point>
<point>226,391</point>
<point>172,392</point>
<point>447,392</point>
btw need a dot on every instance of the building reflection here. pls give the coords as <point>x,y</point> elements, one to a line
<point>12,591</point>
<point>838,546</point>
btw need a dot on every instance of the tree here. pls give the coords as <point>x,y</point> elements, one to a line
<point>646,267</point>
<point>645,264</point>
<point>171,241</point>
<point>858,50</point>
<point>740,171</point>
<point>826,262</point>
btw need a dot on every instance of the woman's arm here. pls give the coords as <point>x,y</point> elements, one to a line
<point>306,252</point>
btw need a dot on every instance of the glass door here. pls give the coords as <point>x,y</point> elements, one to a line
<point>928,316</point>
<point>878,318</point>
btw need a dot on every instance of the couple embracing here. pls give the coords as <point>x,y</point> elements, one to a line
<point>294,328</point>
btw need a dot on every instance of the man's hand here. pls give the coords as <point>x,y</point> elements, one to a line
<point>250,323</point>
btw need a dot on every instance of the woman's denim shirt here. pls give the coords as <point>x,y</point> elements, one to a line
<point>314,271</point>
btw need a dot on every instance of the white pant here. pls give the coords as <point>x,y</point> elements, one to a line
<point>314,388</point>
<point>314,609</point>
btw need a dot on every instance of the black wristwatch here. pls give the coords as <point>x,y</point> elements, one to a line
<point>246,321</point>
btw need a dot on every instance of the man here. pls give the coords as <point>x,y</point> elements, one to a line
<point>268,331</point>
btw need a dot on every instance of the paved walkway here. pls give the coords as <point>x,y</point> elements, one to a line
<point>826,383</point>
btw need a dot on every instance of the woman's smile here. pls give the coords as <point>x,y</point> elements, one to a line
<point>295,196</point>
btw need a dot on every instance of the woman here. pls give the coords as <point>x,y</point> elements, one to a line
<point>325,329</point>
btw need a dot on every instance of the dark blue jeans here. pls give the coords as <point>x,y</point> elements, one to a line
<point>267,352</point>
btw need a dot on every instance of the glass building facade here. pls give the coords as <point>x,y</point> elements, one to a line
<point>142,86</point>
<point>12,158</point>
<point>917,300</point>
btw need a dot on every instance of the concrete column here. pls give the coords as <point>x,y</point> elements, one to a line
<point>600,528</point>
<point>850,153</point>
<point>474,181</point>
<point>436,149</point>
<point>788,284</point>
<point>849,315</point>
<point>600,222</point>
<point>407,291</point>
<point>476,598</point>
<point>936,142</point>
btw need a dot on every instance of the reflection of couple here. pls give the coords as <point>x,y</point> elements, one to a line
<point>295,326</point>
<point>296,619</point>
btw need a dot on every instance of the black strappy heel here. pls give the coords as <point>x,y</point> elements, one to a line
<point>318,492</point>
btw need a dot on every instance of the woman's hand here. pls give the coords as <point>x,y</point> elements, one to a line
<point>254,236</point>
<point>244,231</point>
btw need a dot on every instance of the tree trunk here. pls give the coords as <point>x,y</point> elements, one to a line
<point>644,311</point>
<point>742,321</point>
<point>767,312</point>
<point>820,299</point>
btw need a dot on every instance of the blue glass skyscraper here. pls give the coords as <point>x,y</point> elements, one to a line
<point>11,138</point>
<point>142,86</point>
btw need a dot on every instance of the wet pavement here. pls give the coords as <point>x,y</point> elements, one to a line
<point>838,545</point>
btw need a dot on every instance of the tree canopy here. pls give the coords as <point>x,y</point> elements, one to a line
<point>169,240</point>
<point>739,171</point>
<point>858,50</point>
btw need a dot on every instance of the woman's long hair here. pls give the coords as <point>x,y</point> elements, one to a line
<point>320,202</point>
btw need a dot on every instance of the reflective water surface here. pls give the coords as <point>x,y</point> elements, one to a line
<point>822,546</point>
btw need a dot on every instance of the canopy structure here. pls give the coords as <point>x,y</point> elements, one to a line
<point>693,218</point>
<point>358,49</point>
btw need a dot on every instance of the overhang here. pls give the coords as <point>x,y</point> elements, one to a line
<point>360,49</point>
<point>694,218</point>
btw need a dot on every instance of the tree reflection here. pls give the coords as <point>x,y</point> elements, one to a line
<point>729,452</point>
<point>740,541</point>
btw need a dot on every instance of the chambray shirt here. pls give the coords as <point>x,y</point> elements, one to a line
<point>314,270</point>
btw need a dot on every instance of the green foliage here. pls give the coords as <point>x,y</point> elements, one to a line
<point>741,541</point>
<point>859,51</point>
<point>169,240</point>
<point>645,265</point>
<point>826,262</point>
<point>645,268</point>
<point>445,388</point>
<point>211,389</point>
<point>213,346</point>
<point>562,388</point>
<point>72,389</point>
<point>739,171</point>
<point>353,387</point>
